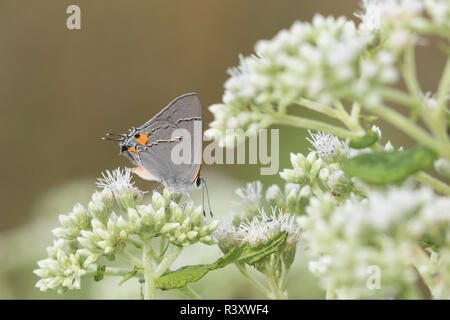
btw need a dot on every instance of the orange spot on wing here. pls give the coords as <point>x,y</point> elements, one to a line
<point>143,139</point>
<point>132,149</point>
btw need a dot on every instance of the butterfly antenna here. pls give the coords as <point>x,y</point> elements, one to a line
<point>203,199</point>
<point>207,196</point>
<point>118,137</point>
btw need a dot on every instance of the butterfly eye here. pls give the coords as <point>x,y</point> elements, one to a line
<point>137,135</point>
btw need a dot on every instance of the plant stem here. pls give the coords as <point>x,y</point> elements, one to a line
<point>437,124</point>
<point>111,271</point>
<point>274,287</point>
<point>173,253</point>
<point>422,286</point>
<point>271,275</point>
<point>190,293</point>
<point>435,183</point>
<point>397,96</point>
<point>315,106</point>
<point>410,128</point>
<point>439,117</point>
<point>254,281</point>
<point>348,120</point>
<point>410,74</point>
<point>283,277</point>
<point>134,260</point>
<point>443,90</point>
<point>149,290</point>
<point>312,124</point>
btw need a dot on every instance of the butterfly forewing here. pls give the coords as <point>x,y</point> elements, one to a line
<point>184,112</point>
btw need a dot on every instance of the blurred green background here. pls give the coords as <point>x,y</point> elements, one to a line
<point>61,90</point>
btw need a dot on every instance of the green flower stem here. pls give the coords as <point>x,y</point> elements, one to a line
<point>153,254</point>
<point>110,271</point>
<point>274,286</point>
<point>430,274</point>
<point>410,128</point>
<point>349,120</point>
<point>190,293</point>
<point>356,111</point>
<point>435,183</point>
<point>170,257</point>
<point>255,282</point>
<point>436,125</point>
<point>149,290</point>
<point>443,91</point>
<point>311,124</point>
<point>439,117</point>
<point>410,74</point>
<point>133,259</point>
<point>397,96</point>
<point>271,276</point>
<point>163,245</point>
<point>422,286</point>
<point>315,106</point>
<point>431,29</point>
<point>136,243</point>
<point>339,113</point>
<point>283,278</point>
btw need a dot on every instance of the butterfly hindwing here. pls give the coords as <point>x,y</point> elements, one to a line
<point>184,112</point>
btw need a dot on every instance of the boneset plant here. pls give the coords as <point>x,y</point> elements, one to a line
<point>148,237</point>
<point>117,225</point>
<point>373,217</point>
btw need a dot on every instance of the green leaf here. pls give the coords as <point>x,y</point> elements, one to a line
<point>365,141</point>
<point>100,273</point>
<point>129,275</point>
<point>244,254</point>
<point>389,166</point>
<point>252,254</point>
<point>182,276</point>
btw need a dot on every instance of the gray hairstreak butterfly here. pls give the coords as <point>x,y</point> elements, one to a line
<point>151,146</point>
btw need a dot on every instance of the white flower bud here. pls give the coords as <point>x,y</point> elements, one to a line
<point>168,227</point>
<point>298,160</point>
<point>192,235</point>
<point>160,218</point>
<point>442,166</point>
<point>158,201</point>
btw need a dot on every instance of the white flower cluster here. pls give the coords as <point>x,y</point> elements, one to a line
<point>385,230</point>
<point>251,195</point>
<point>398,21</point>
<point>305,170</point>
<point>259,229</point>
<point>294,198</point>
<point>119,183</point>
<point>387,13</point>
<point>63,268</point>
<point>86,235</point>
<point>264,227</point>
<point>329,147</point>
<point>439,10</point>
<point>324,60</point>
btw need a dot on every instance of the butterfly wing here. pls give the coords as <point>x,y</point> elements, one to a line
<point>185,112</point>
<point>184,108</point>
